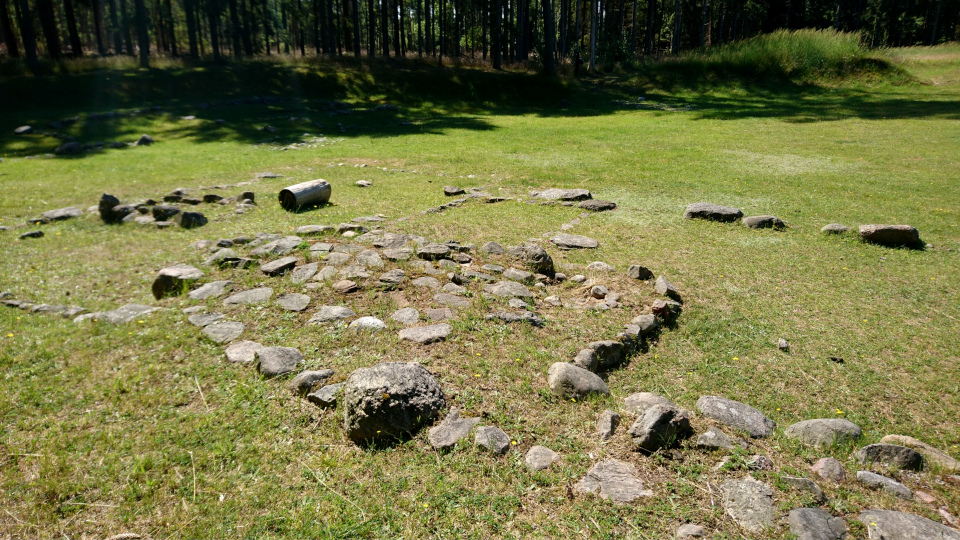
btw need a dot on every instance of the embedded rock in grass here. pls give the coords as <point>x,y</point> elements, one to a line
<point>389,402</point>
<point>369,259</point>
<point>526,317</point>
<point>834,228</point>
<point>824,432</point>
<point>345,286</point>
<point>508,289</point>
<point>62,214</point>
<point>452,430</point>
<point>539,458</point>
<point>749,503</point>
<point>764,222</point>
<point>204,319</point>
<point>278,267</point>
<point>664,287</point>
<point>929,453</point>
<point>660,427</point>
<point>890,455</point>
<point>433,252</point>
<point>883,524</point>
<point>314,230</point>
<point>596,205</point>
<point>712,212</point>
<point>829,469</point>
<point>890,235</point>
<point>636,271</point>
<point>480,276</point>
<point>278,247</point>
<point>816,524</point>
<point>336,259</point>
<point>175,280</point>
<point>123,314</point>
<point>690,531</point>
<point>392,279</point>
<point>557,194</point>
<point>406,316</point>
<point>190,220</point>
<point>220,256</point>
<point>69,149</point>
<point>736,415</point>
<point>615,481</point>
<point>599,292</point>
<point>451,300</point>
<point>586,359</point>
<point>518,275</point>
<point>647,324</point>
<point>106,206</point>
<point>277,361</point>
<point>252,296</point>
<point>331,314</point>
<point>144,140</point>
<point>492,248</point>
<point>306,381</point>
<point>223,332</point>
<point>783,345</point>
<point>876,481</point>
<point>425,335</point>
<point>398,254</point>
<point>666,310</point>
<point>805,484</point>
<point>440,314</point>
<point>371,324</point>
<point>453,191</point>
<point>243,352</point>
<point>304,272</point>
<point>493,439</point>
<point>31,234</point>
<point>610,354</point>
<point>534,257</point>
<point>714,439</point>
<point>23,130</point>
<point>574,241</point>
<point>326,396</point>
<point>293,301</point>
<point>607,423</point>
<point>163,212</point>
<point>209,290</point>
<point>572,382</point>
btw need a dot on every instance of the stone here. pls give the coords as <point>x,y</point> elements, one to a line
<point>313,230</point>
<point>666,310</point>
<point>557,194</point>
<point>326,396</point>
<point>252,296</point>
<point>875,481</point>
<point>508,289</point>
<point>194,309</point>
<point>452,191</point>
<point>277,361</point>
<point>714,439</point>
<point>31,234</point>
<point>518,275</point>
<point>175,280</point>
<point>805,484</point>
<point>615,481</point>
<point>439,314</point>
<point>211,198</point>
<point>278,267</point>
<point>572,382</point>
<point>304,272</point>
<point>62,214</point>
<point>480,276</point>
<point>690,531</point>
<point>451,300</point>
<point>824,432</point>
<point>607,423</point>
<point>392,279</point>
<point>749,503</point>
<point>610,354</point>
<point>223,332</point>
<point>783,345</point>
<point>829,469</point>
<point>306,381</point>
<point>525,317</point>
<point>144,140</point>
<point>164,212</point>
<point>278,247</point>
<point>369,258</point>
<point>492,248</point>
<point>931,455</point>
<point>69,149</point>
<point>389,402</point>
<point>574,241</point>
<point>890,235</point>
<point>406,316</point>
<point>640,402</point>
<point>596,205</point>
<point>426,282</point>
<point>345,286</point>
<point>539,458</point>
<point>425,335</point>
<point>712,212</point>
<point>293,301</point>
<point>243,352</point>
<point>204,319</point>
<point>191,220</point>
<point>889,524</point>
<point>220,257</point>
<point>369,324</point>
<point>398,254</point>
<point>660,427</point>
<point>764,222</point>
<point>834,228</point>
<point>320,248</point>
<point>665,288</point>
<point>121,315</point>
<point>493,439</point>
<point>363,183</point>
<point>517,303</point>
<point>647,324</point>
<point>890,455</point>
<point>453,288</point>
<point>433,252</point>
<point>816,524</point>
<point>23,130</point>
<point>599,291</point>
<point>331,314</point>
<point>636,271</point>
<point>534,257</point>
<point>736,415</point>
<point>452,430</point>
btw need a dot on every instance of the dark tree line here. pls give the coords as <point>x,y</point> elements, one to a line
<point>501,31</point>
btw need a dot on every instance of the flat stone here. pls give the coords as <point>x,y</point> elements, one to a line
<point>712,212</point>
<point>736,415</point>
<point>23,130</point>
<point>596,205</point>
<point>304,272</point>
<point>572,382</point>
<point>331,314</point>
<point>279,266</point>
<point>876,481</point>
<point>369,324</point>
<point>636,271</point>
<point>824,432</point>
<point>293,301</point>
<point>451,430</point>
<point>440,314</point>
<point>175,280</point>
<point>252,296</point>
<point>749,503</point>
<point>243,352</point>
<point>890,235</point>
<point>539,458</point>
<point>209,290</point>
<point>326,397</point>
<point>610,353</point>
<point>690,531</point>
<point>764,222</point>
<point>558,194</point>
<point>829,469</point>
<point>326,273</point>
<point>164,212</point>
<point>453,288</point>
<point>480,276</point>
<point>353,272</point>
<point>406,316</point>
<point>816,524</point>
<point>646,324</point>
<point>453,191</point>
<point>121,315</point>
<point>194,309</point>
<point>425,335</point>
<point>277,361</point>
<point>890,455</point>
<point>345,286</point>
<point>613,480</point>
<point>279,247</point>
<point>521,276</point>
<point>451,300</point>
<point>492,248</point>
<point>607,423</point>
<point>224,331</point>
<point>62,214</point>
<point>426,282</point>
<point>220,255</point>
<point>398,254</point>
<point>660,427</point>
<point>508,289</point>
<point>666,310</point>
<point>884,524</point>
<point>321,248</point>
<point>191,220</point>
<point>369,258</point>
<point>574,241</point>
<point>433,252</point>
<point>306,381</point>
<point>598,266</point>
<point>834,228</point>
<point>714,439</point>
<point>932,455</point>
<point>525,317</point>
<point>392,279</point>
<point>204,319</point>
<point>805,484</point>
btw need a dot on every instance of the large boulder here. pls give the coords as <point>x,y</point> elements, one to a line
<point>190,220</point>
<point>388,402</point>
<point>660,427</point>
<point>824,432</point>
<point>736,415</point>
<point>932,455</point>
<point>890,235</point>
<point>175,280</point>
<point>712,212</point>
<point>883,524</point>
<point>572,382</point>
<point>534,257</point>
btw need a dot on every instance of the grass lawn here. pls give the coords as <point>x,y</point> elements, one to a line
<point>145,427</point>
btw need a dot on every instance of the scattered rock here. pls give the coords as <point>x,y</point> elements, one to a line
<point>433,252</point>
<point>392,279</point>
<point>829,469</point>
<point>406,316</point>
<point>452,430</point>
<point>610,354</point>
<point>639,272</point>
<point>557,194</point>
<point>252,296</point>
<point>326,397</point>
<point>613,480</point>
<point>521,276</point>
<point>929,453</point>
<point>889,485</point>
<point>890,455</point>
<point>306,381</point>
<point>660,427</point>
<point>736,415</point>
<point>424,335</point>
<point>805,484</point>
<point>572,382</point>
<point>224,331</point>
<point>714,439</point>
<point>539,458</point>
<point>749,503</point>
<point>834,228</point>
<point>313,230</point>
<point>525,317</point>
<point>69,149</point>
<point>304,272</point>
<point>492,248</point>
<point>293,301</point>
<point>331,314</point>
<point>647,324</point>
<point>824,432</point>
<point>243,352</point>
<point>204,319</point>
<point>640,402</point>
<point>493,439</point>
<point>883,524</point>
<point>599,292</point>
<point>816,524</point>
<point>23,130</point>
<point>175,280</point>
<point>764,222</point>
<point>62,214</point>
<point>508,289</point>
<point>31,234</point>
<point>691,531</point>
<point>596,205</point>
<point>452,191</point>
<point>712,212</point>
<point>534,257</point>
<point>144,140</point>
<point>666,310</point>
<point>398,254</point>
<point>890,235</point>
<point>451,300</point>
<point>664,287</point>
<point>345,286</point>
<point>363,183</point>
<point>336,259</point>
<point>607,423</point>
<point>278,247</point>
<point>278,267</point>
<point>783,345</point>
<point>574,241</point>
<point>190,220</point>
<point>371,324</point>
<point>369,259</point>
<point>164,212</point>
<point>277,361</point>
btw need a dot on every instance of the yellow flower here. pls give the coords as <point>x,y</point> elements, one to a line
<point>9,335</point>
<point>571,399</point>
<point>735,358</point>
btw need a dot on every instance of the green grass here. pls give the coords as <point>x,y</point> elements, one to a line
<point>105,429</point>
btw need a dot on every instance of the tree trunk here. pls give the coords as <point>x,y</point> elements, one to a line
<point>213,16</point>
<point>172,29</point>
<point>593,34</point>
<point>384,28</point>
<point>115,27</point>
<point>267,27</point>
<point>125,17</point>
<point>246,34</point>
<point>28,36</point>
<point>355,6</point>
<point>372,30</point>
<point>703,24</point>
<point>394,21</point>
<point>234,29</point>
<point>651,16</point>
<point>48,23</point>
<point>676,27</point>
<point>143,34</point>
<point>495,37</point>
<point>936,23</point>
<point>549,36</point>
<point>97,8</point>
<point>419,28</point>
<point>8,37</point>
<point>403,28</point>
<point>189,9</point>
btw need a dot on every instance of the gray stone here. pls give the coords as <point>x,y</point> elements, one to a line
<point>389,401</point>
<point>204,319</point>
<point>517,303</point>
<point>518,275</point>
<point>647,324</point>
<point>331,314</point>
<point>326,273</point>
<point>175,280</point>
<point>370,324</point>
<point>363,183</point>
<point>406,316</point>
<point>326,397</point>
<point>306,381</point>
<point>664,287</point>
<point>890,455</point>
<point>558,194</point>
<point>62,214</point>
<point>712,212</point>
<point>714,439</point>
<point>425,267</point>
<point>829,469</point>
<point>426,282</point>
<point>393,278</point>
<point>293,301</point>
<point>783,345</point>
<point>534,257</point>
<point>321,248</point>
<point>304,272</point>
<point>23,130</point>
<point>424,335</point>
<point>278,247</point>
<point>336,259</point>
<point>433,252</point>
<point>493,439</point>
<point>194,309</point>
<point>252,296</point>
<point>163,212</point>
<point>764,222</point>
<point>121,315</point>
<point>278,267</point>
<point>69,149</point>
<point>613,480</point>
<point>736,415</point>
<point>834,228</point>
<point>875,481</point>
<point>345,286</point>
<point>398,254</point>
<point>816,524</point>
<point>492,248</point>
<point>480,276</point>
<point>453,288</point>
<point>447,264</point>
<point>666,310</point>
<point>439,314</point>
<point>574,241</point>
<point>759,462</point>
<point>805,484</point>
<point>243,352</point>
<point>636,271</point>
<point>690,531</point>
<point>599,292</point>
<point>892,525</point>
<point>453,191</point>
<point>931,455</point>
<point>144,140</point>
<point>890,235</point>
<point>525,317</point>
<point>660,427</point>
<point>572,382</point>
<point>451,300</point>
<point>220,256</point>
<point>598,266</point>
<point>824,432</point>
<point>277,361</point>
<point>224,331</point>
<point>539,458</point>
<point>607,423</point>
<point>31,234</point>
<point>610,354</point>
<point>749,503</point>
<point>191,220</point>
<point>508,289</point>
<point>452,430</point>
<point>369,258</point>
<point>596,205</point>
